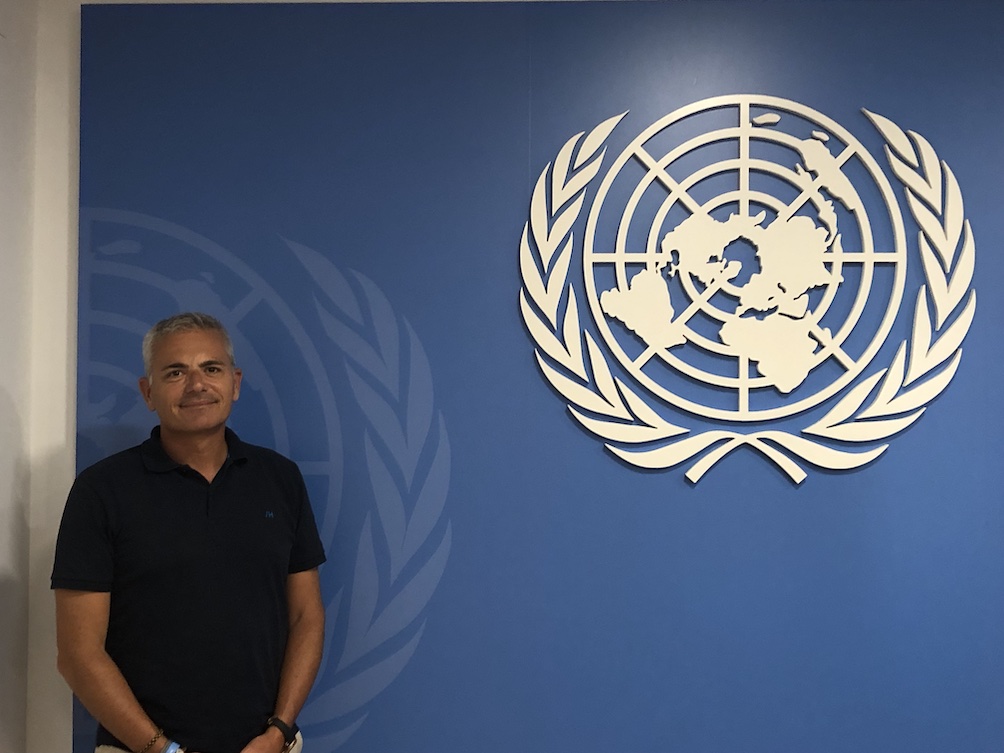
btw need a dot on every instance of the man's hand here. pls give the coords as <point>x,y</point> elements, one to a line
<point>269,741</point>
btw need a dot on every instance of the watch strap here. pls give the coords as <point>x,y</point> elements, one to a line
<point>288,732</point>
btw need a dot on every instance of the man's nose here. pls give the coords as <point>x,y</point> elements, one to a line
<point>194,380</point>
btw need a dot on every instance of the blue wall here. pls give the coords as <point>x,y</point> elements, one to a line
<point>346,187</point>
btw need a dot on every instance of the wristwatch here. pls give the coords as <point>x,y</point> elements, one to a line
<point>288,733</point>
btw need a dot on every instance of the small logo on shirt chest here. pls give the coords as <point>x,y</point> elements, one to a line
<point>269,514</point>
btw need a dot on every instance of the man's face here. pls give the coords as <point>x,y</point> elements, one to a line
<point>192,384</point>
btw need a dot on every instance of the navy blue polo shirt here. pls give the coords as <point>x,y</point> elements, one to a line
<point>197,576</point>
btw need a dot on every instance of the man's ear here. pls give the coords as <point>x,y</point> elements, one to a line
<point>144,390</point>
<point>237,383</point>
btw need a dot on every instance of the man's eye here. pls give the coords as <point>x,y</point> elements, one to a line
<point>212,369</point>
<point>174,374</point>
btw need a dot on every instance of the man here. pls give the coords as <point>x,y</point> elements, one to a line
<point>188,606</point>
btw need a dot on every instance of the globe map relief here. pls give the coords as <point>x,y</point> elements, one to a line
<point>768,311</point>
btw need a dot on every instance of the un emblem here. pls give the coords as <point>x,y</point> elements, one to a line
<point>744,261</point>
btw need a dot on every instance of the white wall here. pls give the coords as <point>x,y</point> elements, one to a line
<point>17,32</point>
<point>49,315</point>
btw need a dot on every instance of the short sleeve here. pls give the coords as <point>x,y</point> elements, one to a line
<point>308,551</point>
<point>84,558</point>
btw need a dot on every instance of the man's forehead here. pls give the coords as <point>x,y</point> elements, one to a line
<point>202,345</point>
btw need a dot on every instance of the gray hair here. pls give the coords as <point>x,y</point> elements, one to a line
<point>186,322</point>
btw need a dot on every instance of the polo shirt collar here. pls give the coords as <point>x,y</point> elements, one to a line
<point>158,461</point>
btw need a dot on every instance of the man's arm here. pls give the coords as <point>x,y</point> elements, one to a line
<point>81,627</point>
<point>303,655</point>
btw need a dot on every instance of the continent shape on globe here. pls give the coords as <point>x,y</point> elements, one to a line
<point>777,336</point>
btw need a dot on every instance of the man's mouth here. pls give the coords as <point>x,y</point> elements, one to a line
<point>198,403</point>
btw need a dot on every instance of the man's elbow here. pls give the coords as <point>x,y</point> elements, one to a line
<point>310,618</point>
<point>306,609</point>
<point>67,665</point>
<point>74,665</point>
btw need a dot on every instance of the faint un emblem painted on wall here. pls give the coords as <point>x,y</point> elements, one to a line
<point>742,266</point>
<point>331,371</point>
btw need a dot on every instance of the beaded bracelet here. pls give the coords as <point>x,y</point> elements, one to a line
<point>155,738</point>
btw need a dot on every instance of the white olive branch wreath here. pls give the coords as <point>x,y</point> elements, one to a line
<point>391,380</point>
<point>611,410</point>
<point>948,254</point>
<point>554,209</point>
